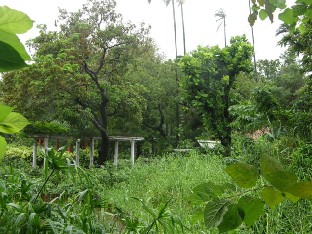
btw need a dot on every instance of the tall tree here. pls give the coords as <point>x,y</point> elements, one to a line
<point>210,74</point>
<point>220,15</point>
<point>93,50</point>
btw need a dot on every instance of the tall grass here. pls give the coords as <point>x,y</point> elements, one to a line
<point>169,178</point>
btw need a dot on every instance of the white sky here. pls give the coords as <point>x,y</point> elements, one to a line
<point>200,23</point>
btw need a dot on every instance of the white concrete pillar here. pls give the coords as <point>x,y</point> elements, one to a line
<point>116,153</point>
<point>34,161</point>
<point>77,151</point>
<point>132,151</point>
<point>92,152</point>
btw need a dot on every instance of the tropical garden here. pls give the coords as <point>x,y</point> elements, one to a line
<point>99,76</point>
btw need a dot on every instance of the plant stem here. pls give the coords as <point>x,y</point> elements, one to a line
<point>45,182</point>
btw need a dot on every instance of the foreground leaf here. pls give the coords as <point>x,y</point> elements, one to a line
<point>3,145</point>
<point>4,112</point>
<point>281,180</point>
<point>231,219</point>
<point>243,174</point>
<point>270,165</point>
<point>10,59</point>
<point>214,212</point>
<point>14,41</point>
<point>14,21</point>
<point>272,196</point>
<point>207,191</point>
<point>13,123</point>
<point>252,208</point>
<point>301,189</point>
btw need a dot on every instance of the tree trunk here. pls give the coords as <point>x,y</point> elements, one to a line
<point>104,146</point>
<point>104,149</point>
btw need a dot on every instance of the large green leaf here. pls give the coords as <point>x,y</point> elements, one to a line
<point>3,146</point>
<point>13,123</point>
<point>10,59</point>
<point>13,40</point>
<point>270,165</point>
<point>301,189</point>
<point>207,191</point>
<point>214,212</point>
<point>262,14</point>
<point>288,17</point>
<point>281,180</point>
<point>272,196</point>
<point>299,9</point>
<point>13,21</point>
<point>243,174</point>
<point>4,112</point>
<point>251,208</point>
<point>231,219</point>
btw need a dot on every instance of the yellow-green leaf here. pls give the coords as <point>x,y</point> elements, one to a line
<point>272,196</point>
<point>13,123</point>
<point>14,21</point>
<point>262,14</point>
<point>281,180</point>
<point>3,145</point>
<point>4,112</point>
<point>288,17</point>
<point>301,189</point>
<point>243,174</point>
<point>270,165</point>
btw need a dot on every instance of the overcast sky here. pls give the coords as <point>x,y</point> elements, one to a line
<point>200,22</point>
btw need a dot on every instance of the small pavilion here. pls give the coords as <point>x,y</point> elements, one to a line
<point>115,139</point>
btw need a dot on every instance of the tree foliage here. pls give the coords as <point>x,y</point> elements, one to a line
<point>210,74</point>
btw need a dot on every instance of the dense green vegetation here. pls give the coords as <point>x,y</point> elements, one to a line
<point>99,76</point>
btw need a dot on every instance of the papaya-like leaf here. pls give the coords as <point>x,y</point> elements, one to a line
<point>4,112</point>
<point>14,41</point>
<point>231,219</point>
<point>10,59</point>
<point>3,145</point>
<point>251,208</point>
<point>270,165</point>
<point>288,17</point>
<point>281,180</point>
<point>14,21</point>
<point>13,123</point>
<point>272,196</point>
<point>214,212</point>
<point>243,174</point>
<point>301,189</point>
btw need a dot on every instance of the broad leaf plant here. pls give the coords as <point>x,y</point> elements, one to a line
<point>12,57</point>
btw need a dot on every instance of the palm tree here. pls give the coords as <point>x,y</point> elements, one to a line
<point>167,2</point>
<point>253,41</point>
<point>220,14</point>
<point>181,2</point>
